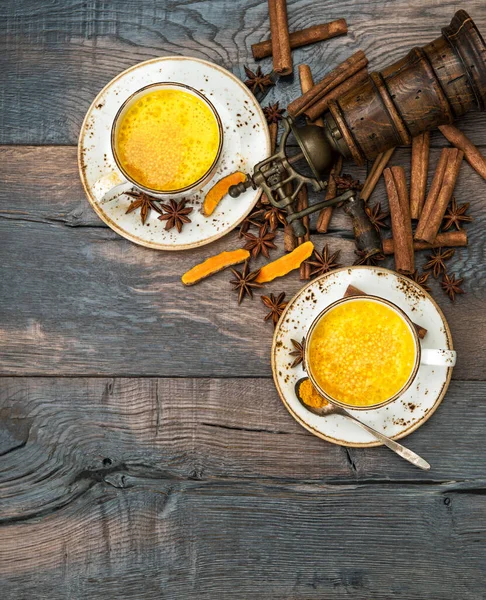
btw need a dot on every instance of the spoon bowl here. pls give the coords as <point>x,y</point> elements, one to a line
<point>333,409</point>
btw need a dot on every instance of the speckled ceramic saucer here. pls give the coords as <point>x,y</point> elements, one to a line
<point>396,419</point>
<point>246,141</point>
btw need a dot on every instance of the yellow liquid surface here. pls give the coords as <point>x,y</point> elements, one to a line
<point>167,140</point>
<point>361,353</point>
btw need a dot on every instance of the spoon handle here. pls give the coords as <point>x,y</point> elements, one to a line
<point>405,453</point>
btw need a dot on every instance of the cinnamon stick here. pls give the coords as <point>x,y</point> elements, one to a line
<point>302,203</point>
<point>319,107</point>
<point>331,192</point>
<point>343,71</point>
<point>396,188</point>
<point>374,175</point>
<point>306,83</point>
<point>351,290</point>
<point>279,31</point>
<point>471,152</point>
<point>439,195</point>
<point>290,243</point>
<point>448,239</point>
<point>304,37</point>
<point>418,173</point>
<point>273,130</point>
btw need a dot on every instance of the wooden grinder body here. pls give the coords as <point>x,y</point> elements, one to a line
<point>431,86</point>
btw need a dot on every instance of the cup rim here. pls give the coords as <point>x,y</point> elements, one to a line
<point>120,112</point>
<point>405,318</point>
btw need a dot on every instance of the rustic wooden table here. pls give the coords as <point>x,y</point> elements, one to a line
<point>144,450</point>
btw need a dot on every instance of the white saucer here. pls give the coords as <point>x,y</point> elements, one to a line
<point>246,141</point>
<point>397,419</point>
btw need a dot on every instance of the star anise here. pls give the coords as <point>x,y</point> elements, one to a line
<point>421,279</point>
<point>176,214</point>
<point>451,286</point>
<point>261,243</point>
<point>273,216</point>
<point>144,202</point>
<point>365,259</point>
<point>273,113</point>
<point>245,282</point>
<point>254,218</point>
<point>276,305</point>
<point>257,80</point>
<point>298,352</point>
<point>456,215</point>
<point>377,217</point>
<point>324,261</point>
<point>437,261</point>
<point>346,182</point>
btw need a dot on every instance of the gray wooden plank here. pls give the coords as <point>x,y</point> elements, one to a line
<point>55,57</point>
<point>78,299</point>
<point>60,437</point>
<point>152,538</point>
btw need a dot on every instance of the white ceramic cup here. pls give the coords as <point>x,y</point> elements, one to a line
<point>423,356</point>
<point>113,184</point>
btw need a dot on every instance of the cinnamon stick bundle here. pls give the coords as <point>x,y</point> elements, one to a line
<point>318,108</point>
<point>304,37</point>
<point>418,173</point>
<point>343,71</point>
<point>306,83</point>
<point>440,193</point>
<point>325,215</point>
<point>471,153</point>
<point>302,203</point>
<point>396,188</point>
<point>374,175</point>
<point>279,31</point>
<point>448,239</point>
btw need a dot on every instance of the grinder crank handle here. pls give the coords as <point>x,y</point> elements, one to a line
<point>367,238</point>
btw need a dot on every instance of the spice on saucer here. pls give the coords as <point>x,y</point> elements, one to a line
<point>451,286</point>
<point>175,214</point>
<point>245,282</point>
<point>298,352</point>
<point>310,396</point>
<point>455,215</point>
<point>276,305</point>
<point>260,243</point>
<point>258,81</point>
<point>323,261</point>
<point>219,191</point>
<point>144,202</point>
<point>437,261</point>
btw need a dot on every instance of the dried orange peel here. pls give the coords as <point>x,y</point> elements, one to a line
<point>219,191</point>
<point>214,264</point>
<point>286,263</point>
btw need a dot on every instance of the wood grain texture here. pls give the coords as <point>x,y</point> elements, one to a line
<point>149,488</point>
<point>78,299</point>
<point>155,539</point>
<point>56,56</point>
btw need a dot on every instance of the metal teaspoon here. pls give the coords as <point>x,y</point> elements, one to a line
<point>333,409</point>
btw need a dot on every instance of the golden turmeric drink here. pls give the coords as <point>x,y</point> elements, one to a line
<point>362,352</point>
<point>167,140</point>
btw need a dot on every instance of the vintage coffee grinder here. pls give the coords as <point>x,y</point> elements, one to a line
<point>431,86</point>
